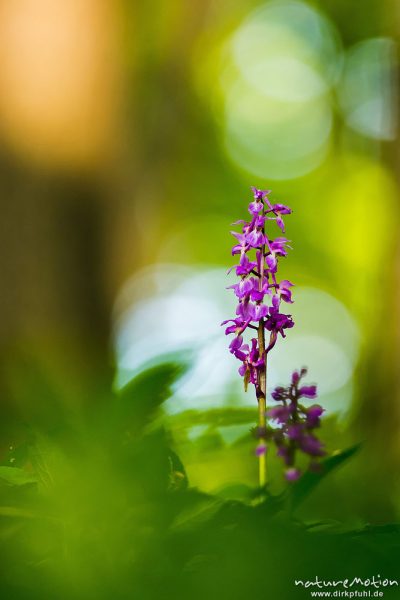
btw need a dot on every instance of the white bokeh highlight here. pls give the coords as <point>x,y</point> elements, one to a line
<point>173,310</point>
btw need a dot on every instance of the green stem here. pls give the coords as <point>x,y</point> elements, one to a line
<point>261,397</point>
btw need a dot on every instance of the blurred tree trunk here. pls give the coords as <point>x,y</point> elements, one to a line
<point>54,307</point>
<point>65,246</point>
<point>60,77</point>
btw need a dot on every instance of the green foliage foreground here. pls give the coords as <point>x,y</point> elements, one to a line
<point>102,508</point>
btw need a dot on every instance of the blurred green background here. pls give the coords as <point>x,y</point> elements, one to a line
<point>130,134</point>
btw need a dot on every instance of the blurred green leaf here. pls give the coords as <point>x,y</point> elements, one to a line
<point>14,511</point>
<point>237,491</point>
<point>138,401</point>
<point>198,510</point>
<point>15,476</point>
<point>216,417</point>
<point>178,475</point>
<point>386,529</point>
<point>304,486</point>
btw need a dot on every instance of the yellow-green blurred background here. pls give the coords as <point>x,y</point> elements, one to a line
<point>130,135</point>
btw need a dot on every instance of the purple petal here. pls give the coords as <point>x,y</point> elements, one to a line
<point>259,221</point>
<point>239,236</point>
<point>278,246</point>
<point>255,239</point>
<point>236,343</point>
<point>259,194</point>
<point>284,290</point>
<point>261,449</point>
<point>258,311</point>
<point>311,445</point>
<point>315,410</point>
<point>237,249</point>
<point>245,266</point>
<point>292,474</point>
<point>282,209</point>
<point>279,393</point>
<point>279,413</point>
<point>280,223</point>
<point>244,310</point>
<point>295,377</point>
<point>313,414</point>
<point>295,432</point>
<point>275,302</point>
<point>244,288</point>
<point>242,370</point>
<point>230,329</point>
<point>285,284</point>
<point>256,295</point>
<point>308,391</point>
<point>271,262</point>
<point>255,207</point>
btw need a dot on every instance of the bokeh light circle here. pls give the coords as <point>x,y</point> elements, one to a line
<point>279,66</point>
<point>174,310</point>
<point>366,92</point>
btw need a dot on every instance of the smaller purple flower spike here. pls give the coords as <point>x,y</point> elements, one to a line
<point>296,424</point>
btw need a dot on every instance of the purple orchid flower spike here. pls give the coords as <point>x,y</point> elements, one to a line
<point>259,295</point>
